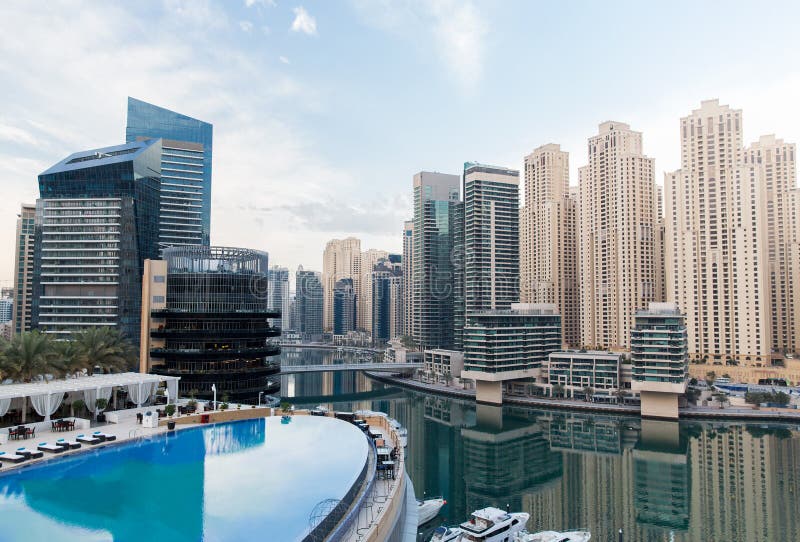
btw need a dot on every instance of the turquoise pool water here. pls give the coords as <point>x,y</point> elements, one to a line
<point>247,480</point>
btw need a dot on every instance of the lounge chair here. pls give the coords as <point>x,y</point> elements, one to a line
<point>30,454</point>
<point>88,440</point>
<point>50,448</point>
<point>69,444</point>
<point>12,458</point>
<point>104,436</point>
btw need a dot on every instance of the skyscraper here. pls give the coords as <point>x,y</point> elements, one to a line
<point>387,302</point>
<point>491,237</point>
<point>369,258</point>
<point>96,223</point>
<point>618,230</point>
<point>548,238</point>
<point>436,196</point>
<point>341,260</point>
<point>408,266</point>
<point>344,307</point>
<point>278,295</point>
<point>23,268</point>
<point>731,240</point>
<point>185,206</point>
<point>308,297</point>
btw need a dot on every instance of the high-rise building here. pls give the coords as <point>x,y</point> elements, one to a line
<point>618,231</point>
<point>408,287</point>
<point>278,296</point>
<point>23,268</point>
<point>491,237</point>
<point>6,310</point>
<point>659,356</point>
<point>308,297</point>
<point>436,202</point>
<point>369,258</point>
<point>731,240</point>
<point>96,223</point>
<point>185,206</point>
<point>341,260</point>
<point>344,307</point>
<point>387,302</point>
<point>508,344</point>
<point>205,319</point>
<point>549,238</point>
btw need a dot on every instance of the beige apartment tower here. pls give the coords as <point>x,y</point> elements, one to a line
<point>732,240</point>
<point>23,268</point>
<point>548,238</point>
<point>341,260</point>
<point>369,258</point>
<point>618,236</point>
<point>408,284</point>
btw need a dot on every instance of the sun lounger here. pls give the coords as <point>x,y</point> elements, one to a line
<point>11,458</point>
<point>30,454</point>
<point>104,436</point>
<point>50,448</point>
<point>69,444</point>
<point>88,440</point>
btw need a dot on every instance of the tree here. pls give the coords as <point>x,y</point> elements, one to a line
<point>722,398</point>
<point>104,347</point>
<point>66,353</point>
<point>30,355</point>
<point>620,393</point>
<point>558,390</point>
<point>588,392</point>
<point>711,376</point>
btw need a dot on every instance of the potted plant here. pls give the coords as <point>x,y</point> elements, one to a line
<point>286,407</point>
<point>78,406</point>
<point>100,405</point>
<point>224,406</point>
<point>169,410</point>
<point>192,405</point>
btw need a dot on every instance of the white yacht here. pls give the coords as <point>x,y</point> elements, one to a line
<point>554,536</point>
<point>428,509</point>
<point>493,525</point>
<point>446,534</point>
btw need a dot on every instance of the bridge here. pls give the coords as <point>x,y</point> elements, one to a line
<point>379,367</point>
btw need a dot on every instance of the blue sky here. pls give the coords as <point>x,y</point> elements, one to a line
<point>323,110</point>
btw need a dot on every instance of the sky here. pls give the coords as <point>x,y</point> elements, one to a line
<point>324,110</point>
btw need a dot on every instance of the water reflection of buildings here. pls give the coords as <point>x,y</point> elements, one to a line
<point>506,460</point>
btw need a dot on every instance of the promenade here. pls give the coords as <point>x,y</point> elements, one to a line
<point>699,412</point>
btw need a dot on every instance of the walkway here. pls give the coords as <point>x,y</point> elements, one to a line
<point>379,367</point>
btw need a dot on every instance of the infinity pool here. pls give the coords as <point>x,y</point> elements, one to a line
<point>254,479</point>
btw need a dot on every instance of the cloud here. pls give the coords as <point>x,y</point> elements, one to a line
<point>457,30</point>
<point>14,134</point>
<point>246,26</point>
<point>284,59</point>
<point>304,22</point>
<point>251,3</point>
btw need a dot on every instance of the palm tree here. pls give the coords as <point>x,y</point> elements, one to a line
<point>30,355</point>
<point>66,352</point>
<point>104,347</point>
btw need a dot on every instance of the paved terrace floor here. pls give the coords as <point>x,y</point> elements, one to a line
<point>125,430</point>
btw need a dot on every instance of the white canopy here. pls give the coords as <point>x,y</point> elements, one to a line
<point>84,383</point>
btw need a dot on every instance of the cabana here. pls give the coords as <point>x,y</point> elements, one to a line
<point>46,396</point>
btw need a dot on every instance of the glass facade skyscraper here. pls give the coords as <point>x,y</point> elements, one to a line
<point>96,222</point>
<point>185,217</point>
<point>436,204</point>
<point>308,299</point>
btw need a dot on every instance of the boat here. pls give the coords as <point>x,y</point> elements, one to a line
<point>554,536</point>
<point>428,509</point>
<point>493,525</point>
<point>321,408</point>
<point>446,534</point>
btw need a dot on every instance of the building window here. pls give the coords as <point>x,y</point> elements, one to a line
<point>159,278</point>
<point>158,299</point>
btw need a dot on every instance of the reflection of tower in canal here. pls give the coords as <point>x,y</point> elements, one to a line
<point>754,471</point>
<point>506,457</point>
<point>661,477</point>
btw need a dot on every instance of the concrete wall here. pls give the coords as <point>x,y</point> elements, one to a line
<point>659,405</point>
<point>748,374</point>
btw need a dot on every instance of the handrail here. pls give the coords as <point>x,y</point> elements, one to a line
<point>347,522</point>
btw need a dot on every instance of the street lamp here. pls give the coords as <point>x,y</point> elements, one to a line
<point>214,389</point>
<point>259,397</point>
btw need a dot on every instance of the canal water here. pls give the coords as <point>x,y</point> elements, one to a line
<point>687,481</point>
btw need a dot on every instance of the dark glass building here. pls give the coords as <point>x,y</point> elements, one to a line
<point>212,326</point>
<point>96,222</point>
<point>308,301</point>
<point>344,307</point>
<point>185,170</point>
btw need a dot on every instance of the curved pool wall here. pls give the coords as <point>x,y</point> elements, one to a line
<point>231,481</point>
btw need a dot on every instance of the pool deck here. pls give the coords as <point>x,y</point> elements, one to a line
<point>124,431</point>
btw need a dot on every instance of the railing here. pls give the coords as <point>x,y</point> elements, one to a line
<point>350,519</point>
